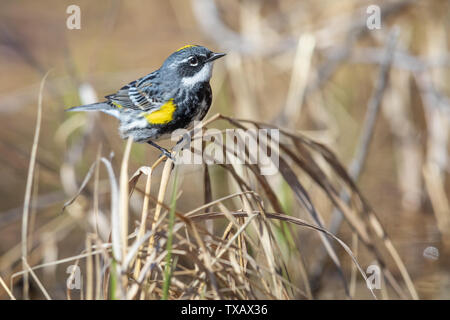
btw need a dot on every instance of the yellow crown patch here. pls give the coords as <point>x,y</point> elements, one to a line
<point>186,46</point>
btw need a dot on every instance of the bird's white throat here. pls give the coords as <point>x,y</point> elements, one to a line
<point>202,76</point>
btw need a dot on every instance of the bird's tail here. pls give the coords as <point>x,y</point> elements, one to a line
<point>100,106</point>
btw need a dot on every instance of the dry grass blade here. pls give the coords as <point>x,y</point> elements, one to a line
<point>238,232</point>
<point>208,197</point>
<point>372,112</point>
<point>162,192</point>
<point>298,221</point>
<point>299,78</point>
<point>362,227</point>
<point>27,200</point>
<point>36,279</point>
<point>304,199</point>
<point>11,296</point>
<point>86,179</point>
<point>115,232</point>
<point>147,171</point>
<point>123,221</point>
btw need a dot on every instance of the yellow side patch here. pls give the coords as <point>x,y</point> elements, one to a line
<point>163,115</point>
<point>117,105</point>
<point>187,46</point>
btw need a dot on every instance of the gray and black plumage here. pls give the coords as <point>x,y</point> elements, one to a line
<point>170,98</point>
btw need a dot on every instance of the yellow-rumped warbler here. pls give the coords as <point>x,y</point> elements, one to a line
<point>170,98</point>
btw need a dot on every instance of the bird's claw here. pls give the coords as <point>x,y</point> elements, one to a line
<point>168,154</point>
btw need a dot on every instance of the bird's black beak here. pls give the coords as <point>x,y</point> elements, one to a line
<point>215,56</point>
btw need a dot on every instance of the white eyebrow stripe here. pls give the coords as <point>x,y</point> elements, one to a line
<point>187,59</point>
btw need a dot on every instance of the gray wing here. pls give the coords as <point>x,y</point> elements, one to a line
<point>141,94</point>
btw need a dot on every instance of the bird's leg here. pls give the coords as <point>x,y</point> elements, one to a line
<point>164,151</point>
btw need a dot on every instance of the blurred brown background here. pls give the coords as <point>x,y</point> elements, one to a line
<point>321,88</point>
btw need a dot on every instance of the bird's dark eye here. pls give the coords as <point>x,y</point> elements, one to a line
<point>193,61</point>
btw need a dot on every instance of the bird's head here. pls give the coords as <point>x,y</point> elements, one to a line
<point>190,64</point>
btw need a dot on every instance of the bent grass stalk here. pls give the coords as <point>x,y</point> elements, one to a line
<point>168,266</point>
